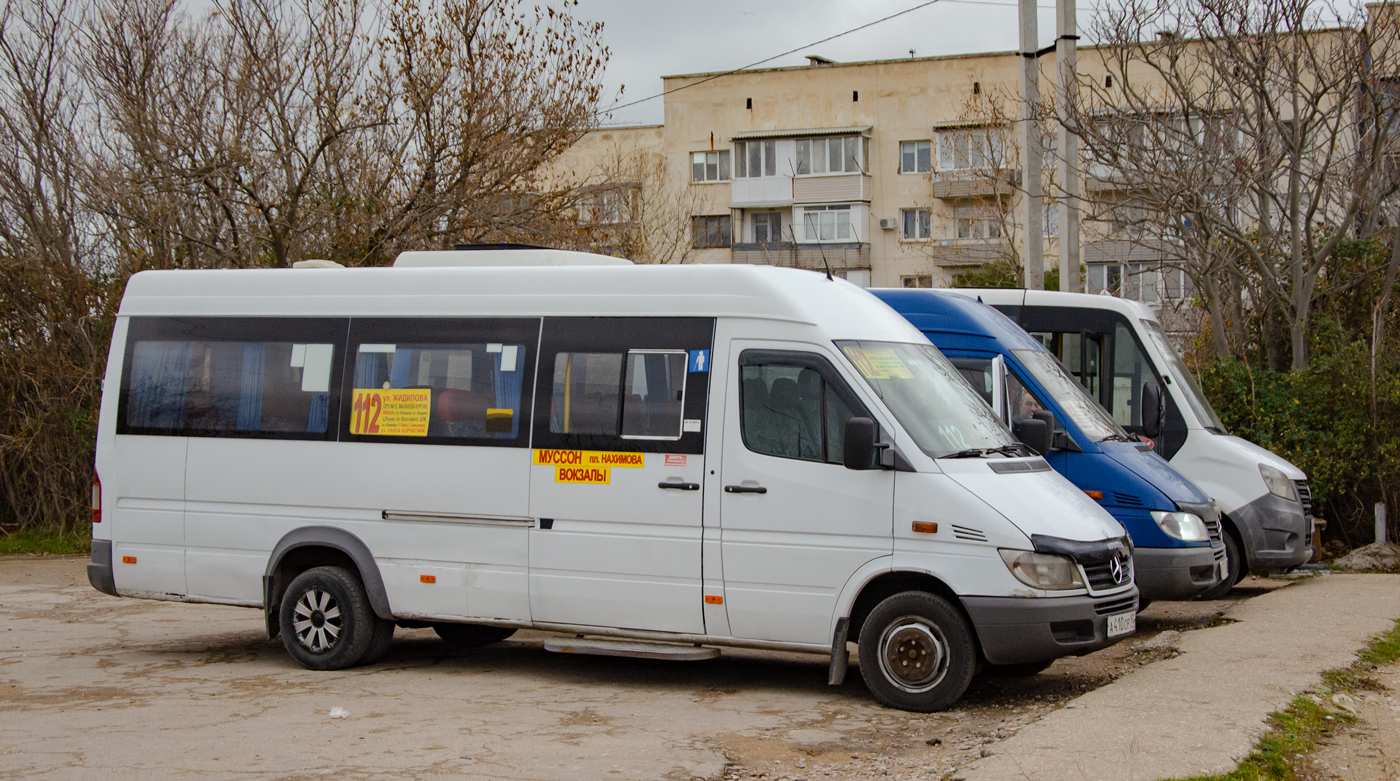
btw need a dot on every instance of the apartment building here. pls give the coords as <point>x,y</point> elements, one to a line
<point>898,172</point>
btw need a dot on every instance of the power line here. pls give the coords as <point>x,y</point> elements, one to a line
<point>774,57</point>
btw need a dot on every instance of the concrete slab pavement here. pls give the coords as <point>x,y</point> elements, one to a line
<point>1200,712</point>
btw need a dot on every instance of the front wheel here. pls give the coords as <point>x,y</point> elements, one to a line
<point>917,652</point>
<point>1234,558</point>
<point>327,621</point>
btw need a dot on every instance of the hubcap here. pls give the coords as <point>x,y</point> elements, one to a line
<point>316,620</point>
<point>914,654</point>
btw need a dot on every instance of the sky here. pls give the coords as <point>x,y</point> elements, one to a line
<point>652,38</point>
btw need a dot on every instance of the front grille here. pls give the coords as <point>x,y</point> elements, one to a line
<point>1111,606</point>
<point>1220,553</point>
<point>1100,576</point>
<point>1213,529</point>
<point>1305,495</point>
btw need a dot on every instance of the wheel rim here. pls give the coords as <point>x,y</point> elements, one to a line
<point>316,620</point>
<point>913,654</point>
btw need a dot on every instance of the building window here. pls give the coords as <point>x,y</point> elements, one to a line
<point>827,223</point>
<point>1125,217</point>
<point>915,223</point>
<point>921,280</point>
<point>709,166</point>
<point>841,154</point>
<point>973,223</point>
<point>707,232</point>
<point>755,158</point>
<point>915,157</point>
<point>612,206</point>
<point>767,227</point>
<point>963,150</point>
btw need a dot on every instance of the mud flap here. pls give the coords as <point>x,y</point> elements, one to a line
<point>840,655</point>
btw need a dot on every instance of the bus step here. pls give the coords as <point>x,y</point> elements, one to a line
<point>633,649</point>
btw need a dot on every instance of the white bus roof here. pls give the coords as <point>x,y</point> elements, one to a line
<point>1017,297</point>
<point>513,256</point>
<point>842,309</point>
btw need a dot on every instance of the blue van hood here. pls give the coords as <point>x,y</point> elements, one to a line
<point>1156,471</point>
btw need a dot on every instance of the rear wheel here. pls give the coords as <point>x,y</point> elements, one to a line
<point>1234,558</point>
<point>916,652</point>
<point>472,635</point>
<point>327,622</point>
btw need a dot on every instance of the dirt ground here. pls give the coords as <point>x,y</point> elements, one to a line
<point>96,686</point>
<point>1368,750</point>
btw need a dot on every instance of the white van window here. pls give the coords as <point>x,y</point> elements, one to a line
<point>214,383</point>
<point>452,391</point>
<point>653,394</point>
<point>587,393</point>
<point>789,410</point>
<point>931,400</point>
<point>1191,390</point>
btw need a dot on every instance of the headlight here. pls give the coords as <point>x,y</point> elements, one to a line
<point>1042,570</point>
<point>1187,527</point>
<point>1278,483</point>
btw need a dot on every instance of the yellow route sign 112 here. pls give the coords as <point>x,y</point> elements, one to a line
<point>391,412</point>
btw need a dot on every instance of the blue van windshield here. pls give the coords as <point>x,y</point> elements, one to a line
<point>1070,395</point>
<point>928,397</point>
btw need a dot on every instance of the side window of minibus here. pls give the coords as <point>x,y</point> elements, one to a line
<point>459,381</point>
<point>790,408</point>
<point>1131,369</point>
<point>978,373</point>
<point>231,377</point>
<point>626,384</point>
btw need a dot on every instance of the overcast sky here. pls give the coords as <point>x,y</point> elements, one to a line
<point>651,39</point>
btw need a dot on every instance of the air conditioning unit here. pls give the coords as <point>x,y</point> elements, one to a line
<point>887,224</point>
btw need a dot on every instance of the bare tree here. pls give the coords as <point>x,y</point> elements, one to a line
<point>1254,138</point>
<point>628,206</point>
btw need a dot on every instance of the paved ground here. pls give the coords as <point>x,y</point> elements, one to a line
<point>92,686</point>
<point>1199,712</point>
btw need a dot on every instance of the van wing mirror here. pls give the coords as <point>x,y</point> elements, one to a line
<point>858,452</point>
<point>1152,409</point>
<point>1034,433</point>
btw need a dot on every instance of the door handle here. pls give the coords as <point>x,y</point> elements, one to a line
<point>745,489</point>
<point>680,486</point>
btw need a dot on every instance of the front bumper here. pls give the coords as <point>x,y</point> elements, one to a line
<point>1277,532</point>
<point>1021,630</point>
<point>1176,573</point>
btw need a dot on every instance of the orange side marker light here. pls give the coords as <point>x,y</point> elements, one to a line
<point>714,600</point>
<point>926,527</point>
<point>427,578</point>
<point>1098,495</point>
<point>128,559</point>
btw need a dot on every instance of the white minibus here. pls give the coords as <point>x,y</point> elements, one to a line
<point>1114,347</point>
<point>678,455</point>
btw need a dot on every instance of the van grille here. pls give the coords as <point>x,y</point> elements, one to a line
<point>1305,495</point>
<point>971,535</point>
<point>1100,576</point>
<point>1111,606</point>
<point>1213,529</point>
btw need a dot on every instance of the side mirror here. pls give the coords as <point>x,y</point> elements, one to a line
<point>859,449</point>
<point>1034,434</point>
<point>1152,409</point>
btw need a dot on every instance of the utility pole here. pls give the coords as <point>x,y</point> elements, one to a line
<point>1065,58</point>
<point>1032,216</point>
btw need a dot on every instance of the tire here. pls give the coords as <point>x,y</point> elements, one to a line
<point>471,635</point>
<point>1143,604</point>
<point>1024,670</point>
<point>926,631</point>
<point>327,622</point>
<point>379,643</point>
<point>1234,555</point>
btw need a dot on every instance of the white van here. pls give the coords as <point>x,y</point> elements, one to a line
<point>685,455</point>
<point>1113,346</point>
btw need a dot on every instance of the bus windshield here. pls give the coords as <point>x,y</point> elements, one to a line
<point>1183,377</point>
<point>928,397</point>
<point>1070,395</point>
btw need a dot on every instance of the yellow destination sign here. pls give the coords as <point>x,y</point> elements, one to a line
<point>589,458</point>
<point>397,412</point>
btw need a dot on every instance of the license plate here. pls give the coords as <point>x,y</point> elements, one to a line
<point>1122,624</point>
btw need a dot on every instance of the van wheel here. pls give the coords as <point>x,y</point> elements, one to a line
<point>1023,670</point>
<point>472,635</point>
<point>916,652</point>
<point>1234,556</point>
<point>379,644</point>
<point>327,622</point>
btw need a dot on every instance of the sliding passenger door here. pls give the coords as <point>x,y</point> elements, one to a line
<point>617,473</point>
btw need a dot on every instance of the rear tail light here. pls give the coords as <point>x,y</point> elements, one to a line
<point>96,499</point>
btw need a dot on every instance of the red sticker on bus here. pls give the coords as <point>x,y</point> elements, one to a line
<point>675,460</point>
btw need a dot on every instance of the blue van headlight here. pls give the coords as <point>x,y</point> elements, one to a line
<point>1187,527</point>
<point>1042,570</point>
<point>1278,483</point>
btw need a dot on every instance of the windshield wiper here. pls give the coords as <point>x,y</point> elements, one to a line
<point>1117,438</point>
<point>1012,450</point>
<point>972,452</point>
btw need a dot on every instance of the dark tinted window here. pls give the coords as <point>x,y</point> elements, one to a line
<point>790,408</point>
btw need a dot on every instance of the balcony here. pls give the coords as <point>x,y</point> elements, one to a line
<point>833,188</point>
<point>962,185</point>
<point>845,256</point>
<point>967,252</point>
